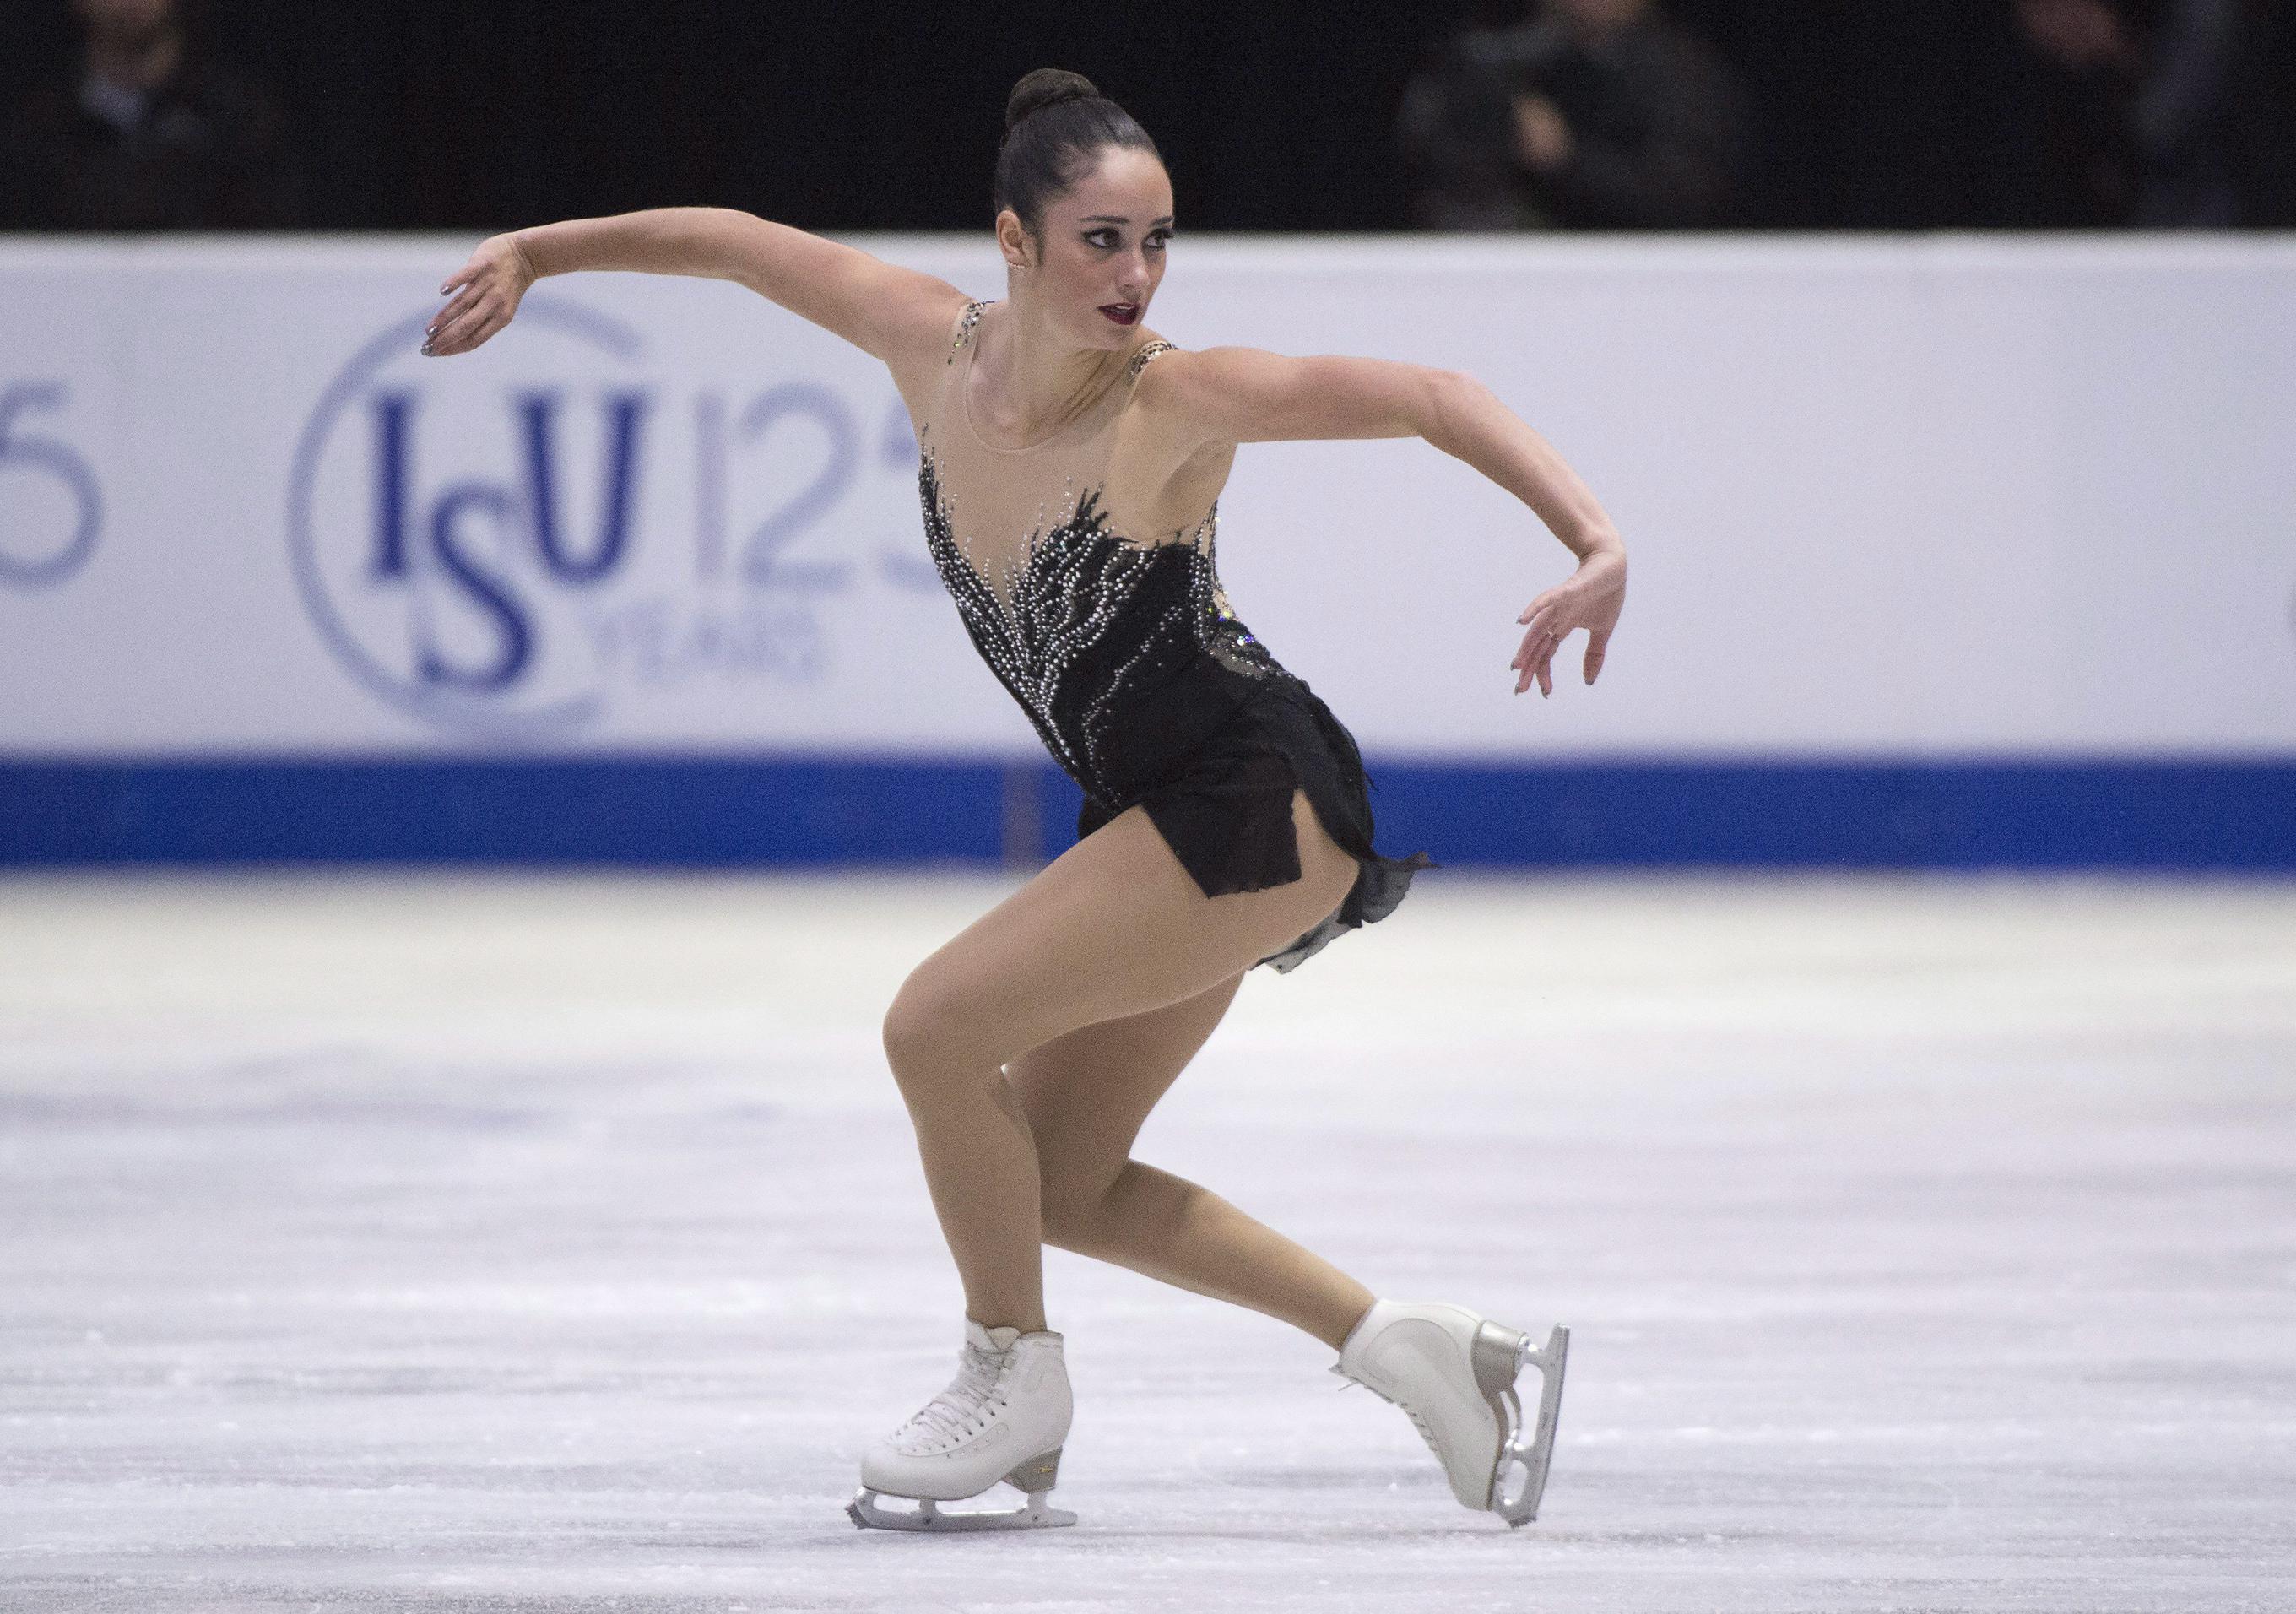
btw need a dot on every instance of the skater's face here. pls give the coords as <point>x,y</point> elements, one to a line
<point>1102,248</point>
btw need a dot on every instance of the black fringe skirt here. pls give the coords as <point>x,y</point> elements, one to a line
<point>1227,814</point>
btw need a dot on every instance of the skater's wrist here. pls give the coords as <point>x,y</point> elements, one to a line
<point>1594,540</point>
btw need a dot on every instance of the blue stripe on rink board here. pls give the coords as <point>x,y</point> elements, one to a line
<point>2059,813</point>
<point>1959,813</point>
<point>649,811</point>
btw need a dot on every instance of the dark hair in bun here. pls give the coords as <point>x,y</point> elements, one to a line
<point>1056,125</point>
<point>1047,86</point>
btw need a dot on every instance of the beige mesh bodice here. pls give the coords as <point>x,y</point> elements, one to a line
<point>1003,503</point>
<point>1103,636</point>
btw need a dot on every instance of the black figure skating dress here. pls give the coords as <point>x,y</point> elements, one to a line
<point>1142,683</point>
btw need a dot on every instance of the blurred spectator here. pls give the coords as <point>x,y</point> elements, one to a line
<point>2147,123</point>
<point>146,133</point>
<point>2268,102</point>
<point>1593,114</point>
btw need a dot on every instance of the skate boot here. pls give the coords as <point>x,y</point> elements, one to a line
<point>1454,1372</point>
<point>1004,1418</point>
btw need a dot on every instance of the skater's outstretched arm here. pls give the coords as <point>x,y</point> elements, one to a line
<point>1216,398</point>
<point>879,307</point>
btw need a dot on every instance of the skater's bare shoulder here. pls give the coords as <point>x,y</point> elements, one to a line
<point>1247,395</point>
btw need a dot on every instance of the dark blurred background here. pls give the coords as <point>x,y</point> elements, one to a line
<point>1795,114</point>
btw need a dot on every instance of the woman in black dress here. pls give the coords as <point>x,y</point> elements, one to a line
<point>1069,468</point>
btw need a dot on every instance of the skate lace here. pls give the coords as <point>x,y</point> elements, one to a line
<point>1411,1413</point>
<point>952,1413</point>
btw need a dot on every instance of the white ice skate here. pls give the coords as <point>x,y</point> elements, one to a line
<point>1004,1418</point>
<point>1454,1372</point>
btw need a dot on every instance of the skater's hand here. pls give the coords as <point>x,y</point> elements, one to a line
<point>1590,598</point>
<point>492,284</point>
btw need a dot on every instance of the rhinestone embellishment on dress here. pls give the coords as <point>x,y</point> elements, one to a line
<point>1077,617</point>
<point>972,312</point>
<point>1066,595</point>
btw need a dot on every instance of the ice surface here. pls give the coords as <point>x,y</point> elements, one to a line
<point>501,1243</point>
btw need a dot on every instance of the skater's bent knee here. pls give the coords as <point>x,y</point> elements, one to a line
<point>928,1031</point>
<point>1069,1206</point>
<point>913,1039</point>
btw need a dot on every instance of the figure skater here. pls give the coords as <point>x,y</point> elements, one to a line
<point>1070,462</point>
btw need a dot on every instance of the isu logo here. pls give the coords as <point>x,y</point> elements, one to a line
<point>508,541</point>
<point>447,531</point>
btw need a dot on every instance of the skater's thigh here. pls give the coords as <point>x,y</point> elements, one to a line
<point>1114,926</point>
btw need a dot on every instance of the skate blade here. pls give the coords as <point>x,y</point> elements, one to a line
<point>1517,1503</point>
<point>866,1514</point>
<point>1034,1478</point>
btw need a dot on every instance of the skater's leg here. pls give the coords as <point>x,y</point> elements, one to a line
<point>1086,1095</point>
<point>1113,926</point>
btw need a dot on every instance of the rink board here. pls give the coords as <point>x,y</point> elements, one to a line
<point>1945,550</point>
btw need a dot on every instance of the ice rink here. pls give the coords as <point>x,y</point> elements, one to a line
<point>501,1243</point>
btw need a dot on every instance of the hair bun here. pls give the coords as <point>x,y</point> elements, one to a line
<point>1046,87</point>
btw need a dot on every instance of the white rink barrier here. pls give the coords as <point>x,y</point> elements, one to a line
<point>1940,502</point>
<point>1897,497</point>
